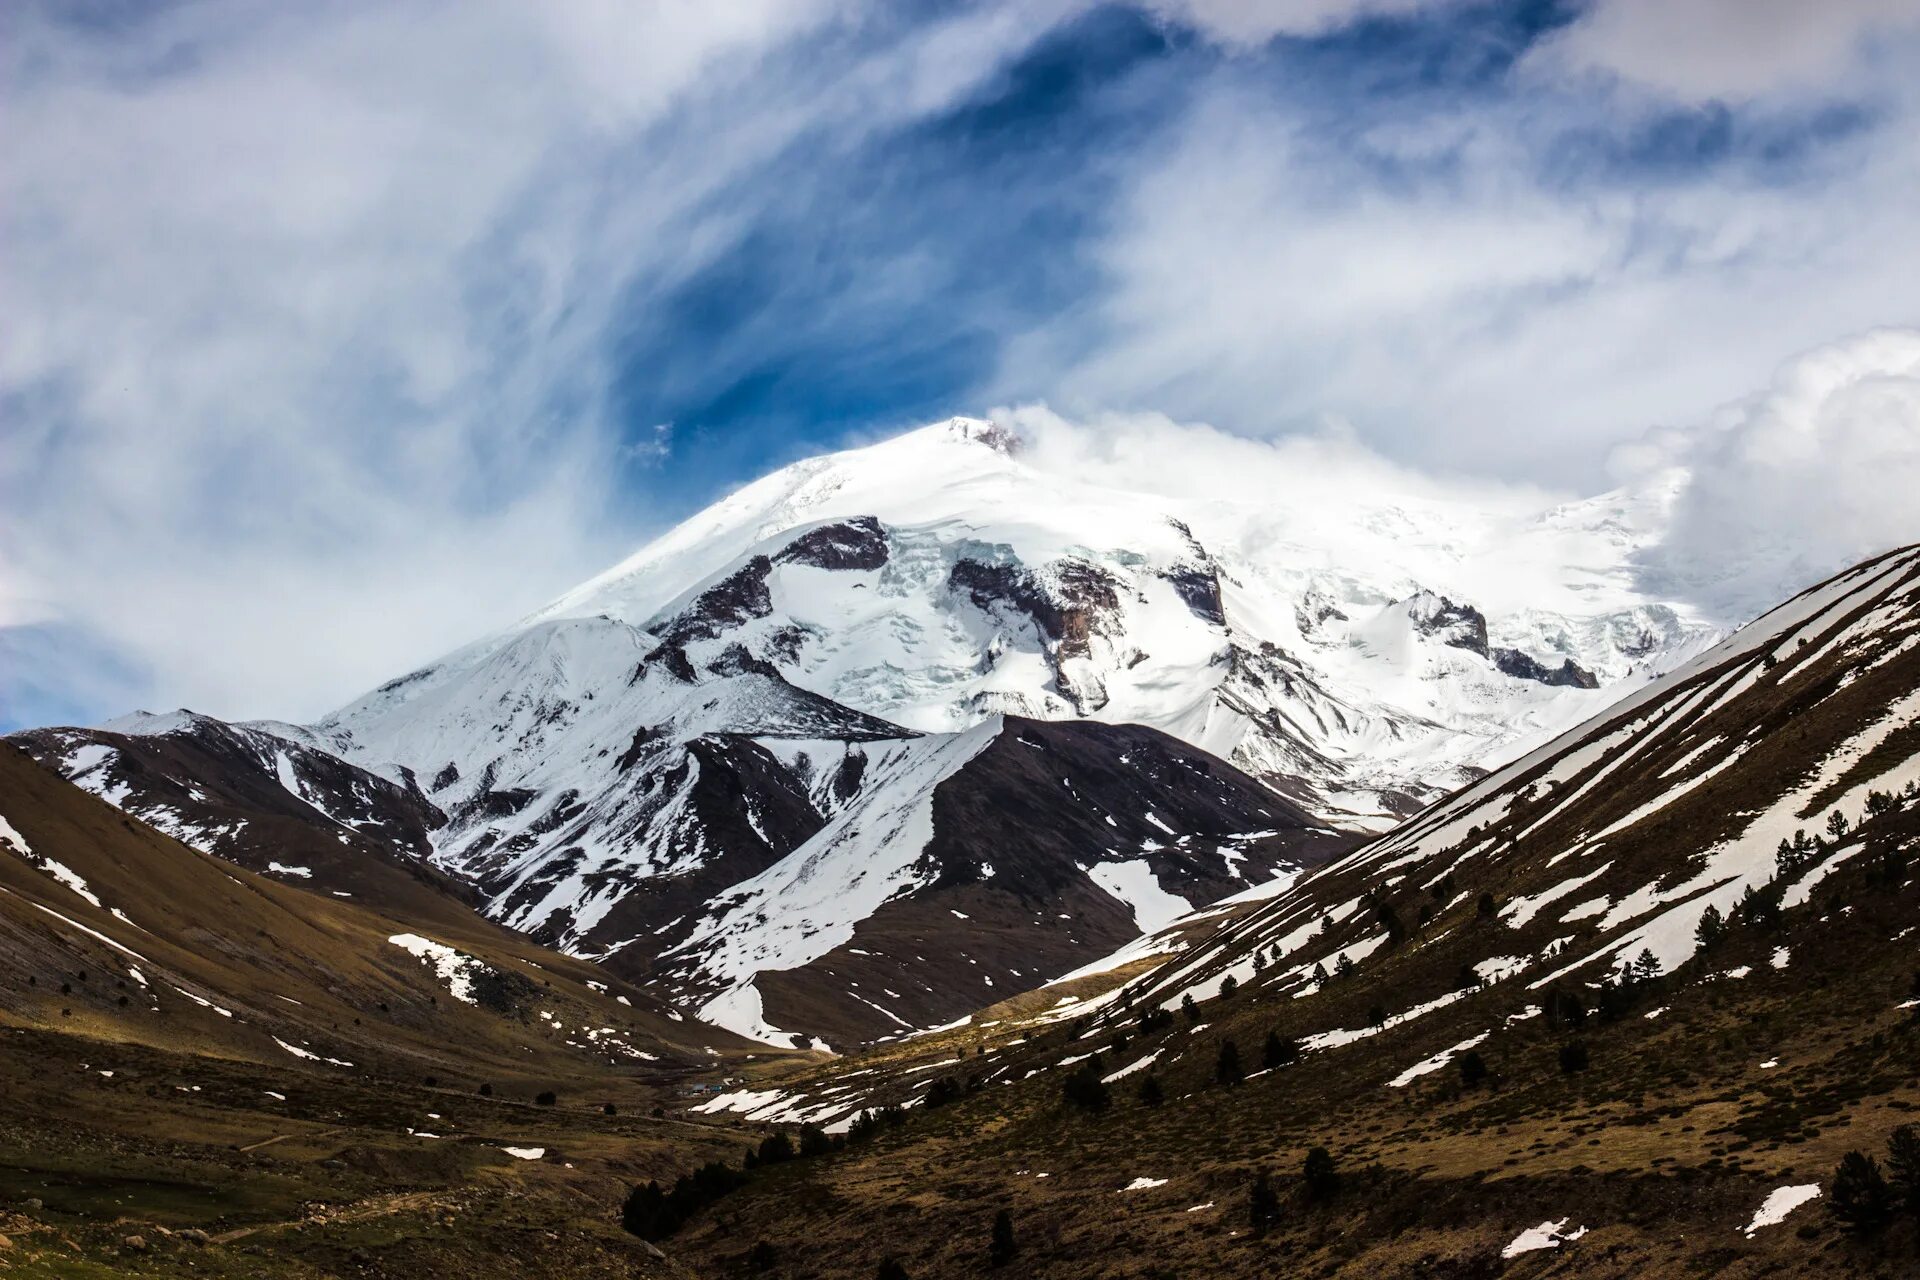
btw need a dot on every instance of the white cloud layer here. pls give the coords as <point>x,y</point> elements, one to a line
<point>1816,472</point>
<point>306,374</point>
<point>1726,49</point>
<point>1469,288</point>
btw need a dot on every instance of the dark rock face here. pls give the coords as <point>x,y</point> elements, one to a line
<point>859,543</point>
<point>1569,673</point>
<point>1200,589</point>
<point>737,598</point>
<point>1459,625</point>
<point>1084,597</point>
<point>1065,610</point>
<point>990,585</point>
<point>1465,627</point>
<point>1074,603</point>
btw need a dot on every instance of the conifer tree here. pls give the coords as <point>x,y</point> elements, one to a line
<point>1903,1165</point>
<point>1226,1069</point>
<point>1861,1197</point>
<point>1000,1247</point>
<point>1321,1178</point>
<point>1712,927</point>
<point>1263,1203</point>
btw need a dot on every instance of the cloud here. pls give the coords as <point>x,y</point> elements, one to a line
<point>1731,49</point>
<point>310,311</point>
<point>1252,22</point>
<point>1487,274</point>
<point>1796,482</point>
<point>337,336</point>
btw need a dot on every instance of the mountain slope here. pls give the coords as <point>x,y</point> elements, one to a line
<point>1615,838</point>
<point>1504,1024</point>
<point>1014,851</point>
<point>112,930</point>
<point>267,798</point>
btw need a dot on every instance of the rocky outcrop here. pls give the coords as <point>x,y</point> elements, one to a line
<point>1522,667</point>
<point>1459,625</point>
<point>1465,627</point>
<point>1199,588</point>
<point>739,597</point>
<point>859,543</point>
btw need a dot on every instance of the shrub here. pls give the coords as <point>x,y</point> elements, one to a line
<point>654,1214</point>
<point>1573,1056</point>
<point>890,1269</point>
<point>1151,1094</point>
<point>776,1148</point>
<point>486,1091</point>
<point>1486,908</point>
<point>762,1257</point>
<point>814,1141</point>
<point>1000,1246</point>
<point>1473,1069</point>
<point>608,1109</point>
<point>1861,1197</point>
<point>1319,1176</point>
<point>545,1098</point>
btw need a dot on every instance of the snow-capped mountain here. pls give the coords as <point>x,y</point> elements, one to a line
<point>1363,651</point>
<point>722,765</point>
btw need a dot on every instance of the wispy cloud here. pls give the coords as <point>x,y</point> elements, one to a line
<point>1478,265</point>
<point>311,312</point>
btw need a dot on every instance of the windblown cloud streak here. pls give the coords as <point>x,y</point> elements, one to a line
<point>308,310</point>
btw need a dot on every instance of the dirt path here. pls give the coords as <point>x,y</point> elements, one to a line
<point>282,1137</point>
<point>360,1211</point>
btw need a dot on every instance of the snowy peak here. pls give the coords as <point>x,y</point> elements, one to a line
<point>981,431</point>
<point>950,574</point>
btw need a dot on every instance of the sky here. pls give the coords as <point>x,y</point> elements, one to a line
<point>333,336</point>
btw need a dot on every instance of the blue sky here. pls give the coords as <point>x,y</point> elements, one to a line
<point>340,334</point>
